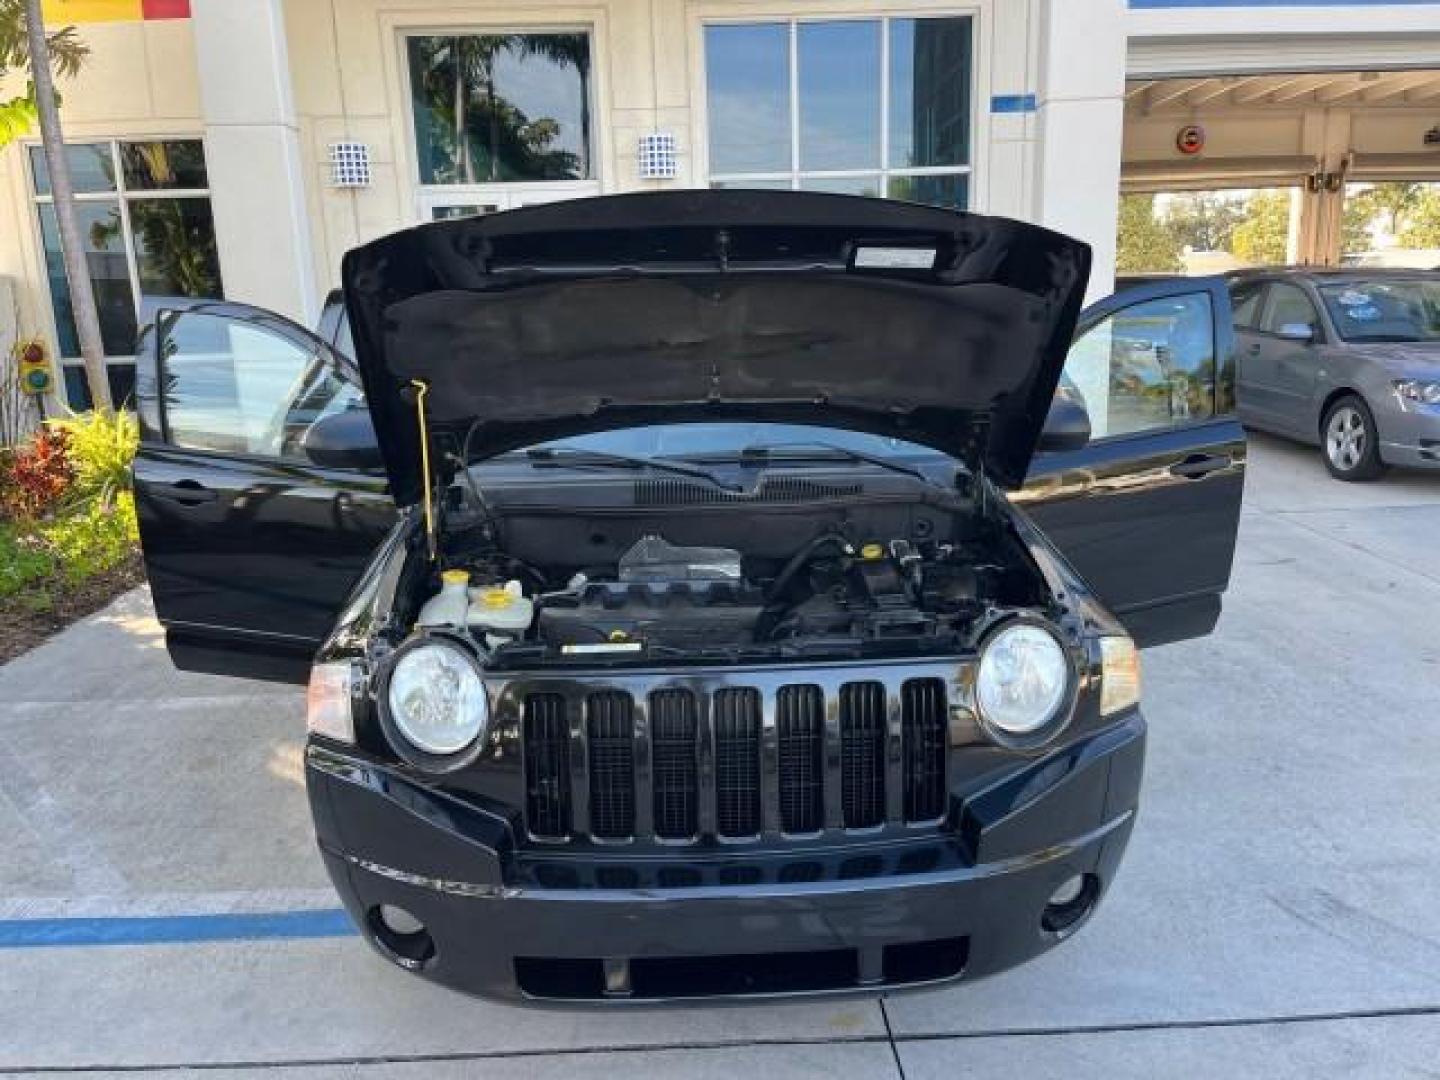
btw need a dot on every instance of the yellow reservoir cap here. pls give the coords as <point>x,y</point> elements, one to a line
<point>496,597</point>
<point>871,552</point>
<point>455,577</point>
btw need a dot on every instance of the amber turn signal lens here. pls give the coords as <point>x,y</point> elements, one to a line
<point>328,708</point>
<point>1120,677</point>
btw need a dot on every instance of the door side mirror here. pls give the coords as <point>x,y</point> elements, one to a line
<point>1067,425</point>
<point>1297,331</point>
<point>344,440</point>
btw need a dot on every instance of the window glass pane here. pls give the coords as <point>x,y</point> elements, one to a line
<point>1150,365</point>
<point>951,192</point>
<point>152,166</point>
<point>91,168</point>
<point>237,388</point>
<point>1287,306</point>
<point>929,92</point>
<point>501,107</point>
<point>461,210</point>
<point>100,229</point>
<point>1395,310</point>
<point>1245,303</point>
<point>175,247</point>
<point>121,377</point>
<point>747,78</point>
<point>839,85</point>
<point>758,185</point>
<point>843,185</point>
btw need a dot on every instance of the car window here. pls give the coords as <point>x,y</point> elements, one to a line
<point>1245,303</point>
<point>1288,306</point>
<point>238,387</point>
<point>1147,366</point>
<point>1379,311</point>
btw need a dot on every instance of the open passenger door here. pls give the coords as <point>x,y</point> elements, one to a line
<point>1148,510</point>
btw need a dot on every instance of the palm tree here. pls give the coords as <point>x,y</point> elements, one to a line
<point>64,52</point>
<point>572,50</point>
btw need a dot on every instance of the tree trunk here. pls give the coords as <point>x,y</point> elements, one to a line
<point>462,130</point>
<point>82,296</point>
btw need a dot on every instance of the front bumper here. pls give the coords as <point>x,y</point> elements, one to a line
<point>1410,436</point>
<point>966,902</point>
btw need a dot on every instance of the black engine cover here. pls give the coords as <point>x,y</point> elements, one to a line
<point>678,614</point>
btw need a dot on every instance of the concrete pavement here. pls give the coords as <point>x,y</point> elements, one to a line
<point>1275,912</point>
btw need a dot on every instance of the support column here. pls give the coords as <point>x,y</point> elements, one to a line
<point>1081,116</point>
<point>252,150</point>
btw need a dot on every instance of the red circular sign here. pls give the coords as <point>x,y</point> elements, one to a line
<point>1190,139</point>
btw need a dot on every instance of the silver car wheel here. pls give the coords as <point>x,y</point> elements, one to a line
<point>1345,438</point>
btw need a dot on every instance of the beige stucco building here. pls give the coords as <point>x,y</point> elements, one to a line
<point>205,131</point>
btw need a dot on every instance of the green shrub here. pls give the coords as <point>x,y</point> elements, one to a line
<point>25,560</point>
<point>101,444</point>
<point>92,538</point>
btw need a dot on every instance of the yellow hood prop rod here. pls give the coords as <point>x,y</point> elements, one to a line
<point>421,389</point>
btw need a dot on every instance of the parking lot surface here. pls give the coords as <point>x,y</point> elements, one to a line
<point>1276,912</point>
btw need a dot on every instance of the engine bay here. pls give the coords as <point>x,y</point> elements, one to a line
<point>850,574</point>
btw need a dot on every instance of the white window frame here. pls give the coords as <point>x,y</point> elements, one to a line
<point>504,195</point>
<point>124,196</point>
<point>797,176</point>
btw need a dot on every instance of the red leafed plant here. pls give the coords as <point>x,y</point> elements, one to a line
<point>35,475</point>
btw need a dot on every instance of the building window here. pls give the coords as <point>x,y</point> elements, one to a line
<point>144,210</point>
<point>501,108</point>
<point>856,106</point>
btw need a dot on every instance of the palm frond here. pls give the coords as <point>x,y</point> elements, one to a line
<point>17,116</point>
<point>67,51</point>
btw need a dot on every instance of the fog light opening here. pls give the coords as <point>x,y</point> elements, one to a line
<point>401,936</point>
<point>1070,903</point>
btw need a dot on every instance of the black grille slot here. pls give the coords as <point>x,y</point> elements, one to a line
<point>611,720</point>
<point>737,762</point>
<point>547,766</point>
<point>862,754</point>
<point>800,729</point>
<point>672,761</point>
<point>923,712</point>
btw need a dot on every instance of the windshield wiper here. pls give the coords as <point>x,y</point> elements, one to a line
<point>560,457</point>
<point>765,454</point>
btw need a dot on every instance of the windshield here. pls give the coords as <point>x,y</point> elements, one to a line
<point>1394,309</point>
<point>721,441</point>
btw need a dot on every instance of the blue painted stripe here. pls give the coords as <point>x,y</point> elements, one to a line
<point>1012,103</point>
<point>1276,3</point>
<point>174,929</point>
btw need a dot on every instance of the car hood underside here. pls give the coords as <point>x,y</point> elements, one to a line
<point>944,329</point>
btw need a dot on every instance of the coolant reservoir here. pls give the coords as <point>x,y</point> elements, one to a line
<point>449,605</point>
<point>501,612</point>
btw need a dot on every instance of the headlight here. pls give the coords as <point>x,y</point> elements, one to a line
<point>1120,675</point>
<point>436,699</point>
<point>1418,391</point>
<point>1023,681</point>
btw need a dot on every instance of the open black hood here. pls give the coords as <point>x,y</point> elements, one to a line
<point>941,328</point>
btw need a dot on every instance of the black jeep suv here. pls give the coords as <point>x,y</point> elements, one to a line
<point>682,611</point>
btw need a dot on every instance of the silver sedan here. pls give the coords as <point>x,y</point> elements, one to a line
<point>1348,360</point>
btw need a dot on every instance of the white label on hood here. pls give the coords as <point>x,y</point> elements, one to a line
<point>894,258</point>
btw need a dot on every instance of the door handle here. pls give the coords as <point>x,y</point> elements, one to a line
<point>1253,348</point>
<point>1199,465</point>
<point>185,492</point>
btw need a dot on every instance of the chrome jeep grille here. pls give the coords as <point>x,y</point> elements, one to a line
<point>682,763</point>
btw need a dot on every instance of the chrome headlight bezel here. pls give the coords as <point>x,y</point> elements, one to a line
<point>1059,716</point>
<point>1417,391</point>
<point>401,742</point>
